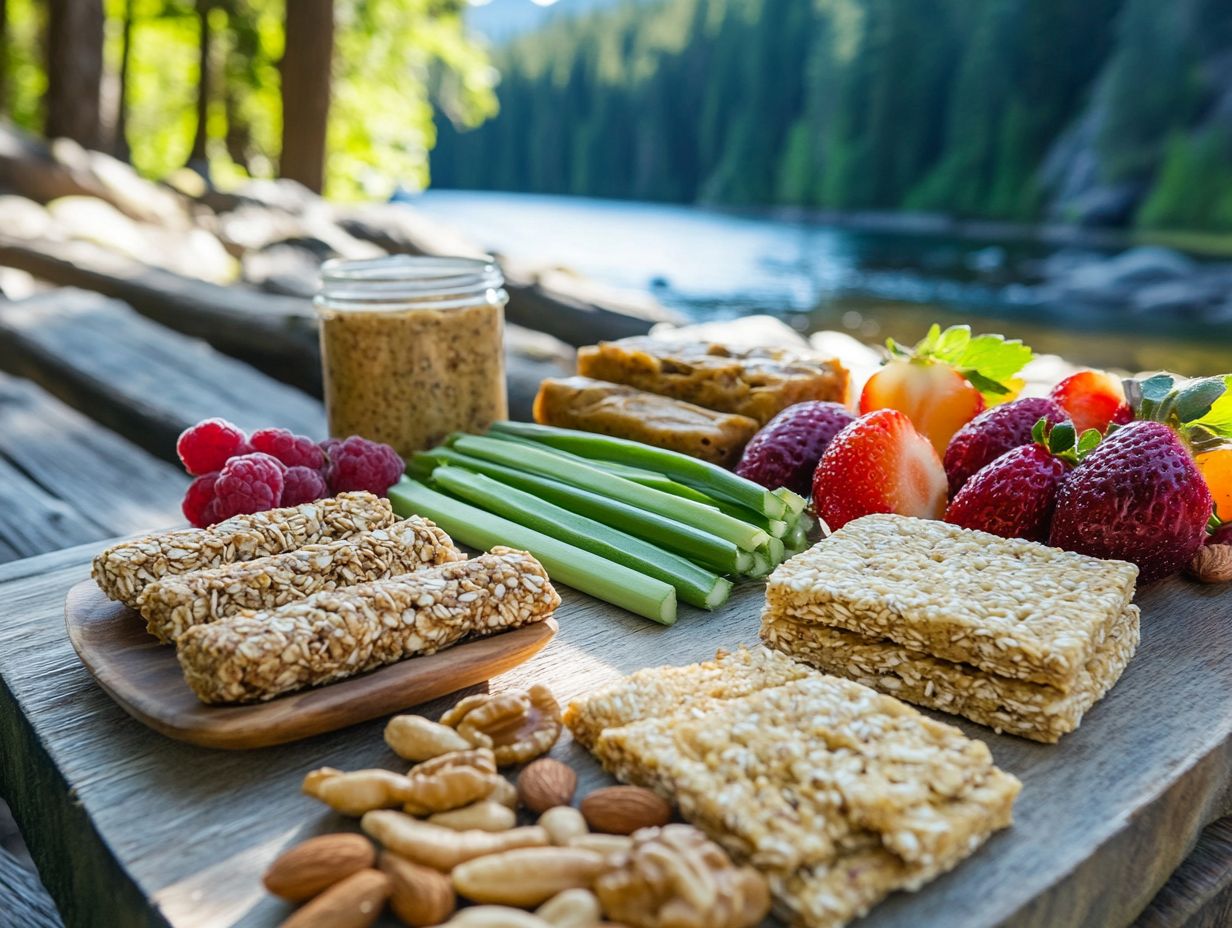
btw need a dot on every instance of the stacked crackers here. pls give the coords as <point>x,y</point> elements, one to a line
<point>1009,633</point>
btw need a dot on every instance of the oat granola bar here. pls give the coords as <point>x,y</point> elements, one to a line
<point>1031,710</point>
<point>838,793</point>
<point>176,602</point>
<point>753,382</point>
<point>123,570</point>
<point>1008,606</point>
<point>334,634</point>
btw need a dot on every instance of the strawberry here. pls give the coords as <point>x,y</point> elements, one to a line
<point>946,380</point>
<point>1137,497</point>
<point>994,432</point>
<point>1013,496</point>
<point>786,451</point>
<point>879,463</point>
<point>1220,534</point>
<point>1092,400</point>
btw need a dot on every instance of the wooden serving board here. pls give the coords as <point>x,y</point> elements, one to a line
<point>144,677</point>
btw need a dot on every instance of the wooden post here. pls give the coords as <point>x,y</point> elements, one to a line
<point>305,68</point>
<point>74,70</point>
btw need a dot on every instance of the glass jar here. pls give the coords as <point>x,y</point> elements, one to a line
<point>412,348</point>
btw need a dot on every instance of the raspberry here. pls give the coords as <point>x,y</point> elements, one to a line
<point>209,444</point>
<point>302,485</point>
<point>293,450</point>
<point>198,498</point>
<point>248,483</point>
<point>359,464</point>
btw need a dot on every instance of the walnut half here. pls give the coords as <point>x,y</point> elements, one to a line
<point>516,726</point>
<point>676,877</point>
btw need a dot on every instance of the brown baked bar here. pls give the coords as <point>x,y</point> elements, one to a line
<point>837,793</point>
<point>1008,606</point>
<point>335,634</point>
<point>123,570</point>
<point>1030,710</point>
<point>753,382</point>
<point>625,412</point>
<point>174,603</point>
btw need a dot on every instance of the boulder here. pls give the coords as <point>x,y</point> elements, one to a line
<point>1115,279</point>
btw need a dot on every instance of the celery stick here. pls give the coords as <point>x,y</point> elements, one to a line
<point>597,576</point>
<point>696,545</point>
<point>695,585</point>
<point>545,462</point>
<point>794,502</point>
<point>774,550</point>
<point>701,475</point>
<point>761,565</point>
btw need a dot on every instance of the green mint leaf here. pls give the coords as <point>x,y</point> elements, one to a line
<point>952,343</point>
<point>896,349</point>
<point>989,362</point>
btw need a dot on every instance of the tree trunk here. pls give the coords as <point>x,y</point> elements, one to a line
<point>74,70</point>
<point>305,70</point>
<point>4,56</point>
<point>120,144</point>
<point>198,158</point>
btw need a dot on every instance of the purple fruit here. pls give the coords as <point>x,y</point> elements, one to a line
<point>1137,497</point>
<point>1221,535</point>
<point>1013,496</point>
<point>786,451</point>
<point>994,432</point>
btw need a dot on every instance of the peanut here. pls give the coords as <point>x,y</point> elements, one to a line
<point>574,908</point>
<point>526,876</point>
<point>414,737</point>
<point>485,815</point>
<point>442,848</point>
<point>563,823</point>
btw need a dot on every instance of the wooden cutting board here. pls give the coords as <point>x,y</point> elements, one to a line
<point>144,677</point>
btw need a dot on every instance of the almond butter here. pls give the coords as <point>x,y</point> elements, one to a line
<point>356,902</point>
<point>1212,564</point>
<point>419,895</point>
<point>622,810</point>
<point>546,783</point>
<point>314,865</point>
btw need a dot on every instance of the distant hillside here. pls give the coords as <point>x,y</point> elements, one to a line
<point>1108,111</point>
<point>500,20</point>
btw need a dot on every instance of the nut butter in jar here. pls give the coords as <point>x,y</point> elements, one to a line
<point>411,348</point>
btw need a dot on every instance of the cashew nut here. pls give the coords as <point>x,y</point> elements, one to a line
<point>607,845</point>
<point>357,792</point>
<point>484,815</point>
<point>526,876</point>
<point>443,848</point>
<point>563,823</point>
<point>505,793</point>
<point>414,737</point>
<point>495,916</point>
<point>574,908</point>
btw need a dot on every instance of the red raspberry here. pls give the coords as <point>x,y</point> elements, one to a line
<point>302,485</point>
<point>248,483</point>
<point>209,444</point>
<point>293,450</point>
<point>359,464</point>
<point>198,498</point>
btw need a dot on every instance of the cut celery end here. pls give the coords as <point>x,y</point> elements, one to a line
<point>761,566</point>
<point>545,462</point>
<point>693,584</point>
<point>701,475</point>
<point>697,545</point>
<point>591,574</point>
<point>794,502</point>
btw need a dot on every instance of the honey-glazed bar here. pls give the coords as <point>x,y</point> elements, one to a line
<point>1008,606</point>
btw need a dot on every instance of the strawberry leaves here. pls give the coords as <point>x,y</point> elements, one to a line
<point>1200,409</point>
<point>1063,441</point>
<point>988,362</point>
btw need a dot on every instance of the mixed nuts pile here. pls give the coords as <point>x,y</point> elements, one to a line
<point>449,833</point>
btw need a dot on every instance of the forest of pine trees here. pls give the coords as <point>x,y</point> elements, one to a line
<point>1001,108</point>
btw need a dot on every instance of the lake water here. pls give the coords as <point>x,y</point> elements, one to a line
<point>710,264</point>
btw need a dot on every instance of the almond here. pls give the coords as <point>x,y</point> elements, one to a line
<point>546,783</point>
<point>420,895</point>
<point>622,810</point>
<point>314,865</point>
<point>356,902</point>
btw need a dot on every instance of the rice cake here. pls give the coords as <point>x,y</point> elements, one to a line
<point>1008,606</point>
<point>1030,710</point>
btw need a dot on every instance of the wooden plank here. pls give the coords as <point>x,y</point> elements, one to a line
<point>145,678</point>
<point>138,378</point>
<point>110,482</point>
<point>1104,816</point>
<point>1199,893</point>
<point>33,521</point>
<point>23,901</point>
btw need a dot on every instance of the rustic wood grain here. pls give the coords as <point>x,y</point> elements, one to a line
<point>144,677</point>
<point>114,809</point>
<point>144,381</point>
<point>23,902</point>
<point>1199,893</point>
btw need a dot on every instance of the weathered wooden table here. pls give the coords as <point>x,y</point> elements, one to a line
<point>130,828</point>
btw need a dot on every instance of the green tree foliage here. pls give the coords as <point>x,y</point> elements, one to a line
<point>946,105</point>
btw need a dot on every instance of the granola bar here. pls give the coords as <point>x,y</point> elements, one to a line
<point>1008,606</point>
<point>1030,710</point>
<point>176,602</point>
<point>837,793</point>
<point>255,656</point>
<point>753,382</point>
<point>123,570</point>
